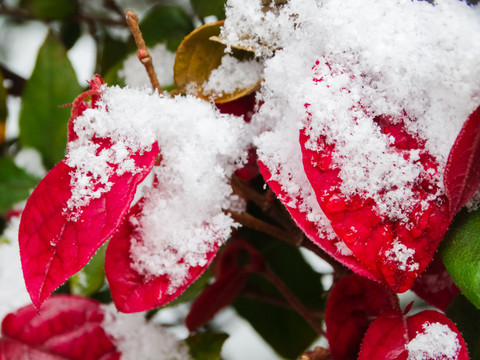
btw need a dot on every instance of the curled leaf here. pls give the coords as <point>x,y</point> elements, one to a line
<point>353,304</point>
<point>462,172</point>
<point>197,56</point>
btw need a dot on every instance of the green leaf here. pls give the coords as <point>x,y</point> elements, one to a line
<point>204,8</point>
<point>168,24</point>
<point>51,9</point>
<point>43,120</point>
<point>467,318</point>
<point>206,346</point>
<point>113,52</point>
<point>3,110</point>
<point>15,184</point>
<point>461,254</point>
<point>92,277</point>
<point>267,310</point>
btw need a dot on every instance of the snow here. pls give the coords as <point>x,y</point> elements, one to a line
<point>402,256</point>
<point>186,216</point>
<point>233,74</point>
<point>135,76</point>
<point>136,338</point>
<point>437,341</point>
<point>374,58</point>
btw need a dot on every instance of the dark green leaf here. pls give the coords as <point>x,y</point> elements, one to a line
<point>92,277</point>
<point>15,184</point>
<point>206,346</point>
<point>461,254</point>
<point>113,52</point>
<point>43,120</point>
<point>168,24</point>
<point>51,9</point>
<point>204,8</point>
<point>467,318</point>
<point>267,310</point>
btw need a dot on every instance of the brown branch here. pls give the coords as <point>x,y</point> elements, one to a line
<point>142,53</point>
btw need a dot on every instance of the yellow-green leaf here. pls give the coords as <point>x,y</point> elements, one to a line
<point>461,254</point>
<point>3,110</point>
<point>197,56</point>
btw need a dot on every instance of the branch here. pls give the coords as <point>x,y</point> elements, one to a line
<point>142,53</point>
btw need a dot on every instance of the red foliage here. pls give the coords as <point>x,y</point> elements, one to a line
<point>462,172</point>
<point>67,327</point>
<point>353,304</point>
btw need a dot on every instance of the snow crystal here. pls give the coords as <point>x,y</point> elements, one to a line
<point>14,293</point>
<point>402,256</point>
<point>136,338</point>
<point>134,72</point>
<point>437,341</point>
<point>200,149</point>
<point>233,74</point>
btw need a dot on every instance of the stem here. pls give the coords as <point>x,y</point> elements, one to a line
<point>252,222</point>
<point>142,53</point>
<point>254,295</point>
<point>293,301</point>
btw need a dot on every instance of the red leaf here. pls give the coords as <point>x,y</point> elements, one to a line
<point>215,297</point>
<point>428,335</point>
<point>395,251</point>
<point>435,285</point>
<point>54,242</point>
<point>353,304</point>
<point>67,327</point>
<point>462,172</point>
<point>232,273</point>
<point>134,292</point>
<point>312,232</point>
<point>53,245</point>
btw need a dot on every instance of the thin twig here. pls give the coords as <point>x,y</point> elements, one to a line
<point>293,301</point>
<point>251,221</point>
<point>142,53</point>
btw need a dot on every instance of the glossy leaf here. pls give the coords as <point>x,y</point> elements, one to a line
<point>164,23</point>
<point>197,56</point>
<point>206,346</point>
<point>204,8</point>
<point>67,327</point>
<point>353,304</point>
<point>462,172</point>
<point>53,245</point>
<point>134,292</point>
<point>461,254</point>
<point>51,9</point>
<point>428,335</point>
<point>43,120</point>
<point>467,319</point>
<point>395,251</point>
<point>15,184</point>
<point>311,230</point>
<point>92,277</point>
